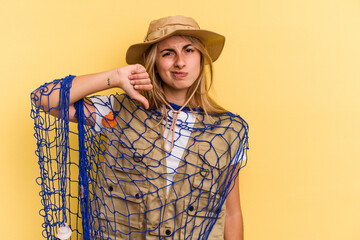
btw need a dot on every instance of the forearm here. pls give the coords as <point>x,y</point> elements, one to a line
<point>233,219</point>
<point>130,78</point>
<point>234,229</point>
<point>83,86</point>
<point>47,97</point>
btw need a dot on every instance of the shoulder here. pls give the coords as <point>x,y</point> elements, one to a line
<point>231,120</point>
<point>231,126</point>
<point>123,104</point>
<point>115,102</point>
<point>121,97</point>
<point>238,122</point>
<point>127,108</point>
<point>123,100</point>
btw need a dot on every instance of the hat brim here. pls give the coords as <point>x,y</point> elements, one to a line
<point>213,42</point>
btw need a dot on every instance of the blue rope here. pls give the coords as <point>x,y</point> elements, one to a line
<point>121,182</point>
<point>64,142</point>
<point>83,169</point>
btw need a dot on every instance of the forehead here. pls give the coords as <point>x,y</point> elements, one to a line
<point>173,42</point>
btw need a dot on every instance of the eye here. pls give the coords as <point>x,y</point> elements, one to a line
<point>189,50</point>
<point>166,54</point>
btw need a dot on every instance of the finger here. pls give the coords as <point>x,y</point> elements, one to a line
<point>139,69</point>
<point>140,82</point>
<point>143,87</point>
<point>139,76</point>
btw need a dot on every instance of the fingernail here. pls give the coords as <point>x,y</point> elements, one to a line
<point>132,82</point>
<point>136,86</point>
<point>131,77</point>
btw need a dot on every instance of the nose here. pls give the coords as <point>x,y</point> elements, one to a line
<point>180,61</point>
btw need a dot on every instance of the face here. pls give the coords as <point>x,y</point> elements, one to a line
<point>178,64</point>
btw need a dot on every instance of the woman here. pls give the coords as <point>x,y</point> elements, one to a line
<point>171,155</point>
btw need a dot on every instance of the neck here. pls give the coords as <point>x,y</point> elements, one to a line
<point>177,97</point>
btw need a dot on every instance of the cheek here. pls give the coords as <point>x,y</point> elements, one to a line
<point>197,66</point>
<point>161,71</point>
<point>161,66</point>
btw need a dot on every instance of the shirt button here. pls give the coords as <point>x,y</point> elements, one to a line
<point>218,211</point>
<point>111,188</point>
<point>137,157</point>
<point>137,196</point>
<point>204,173</point>
<point>191,208</point>
<point>168,232</point>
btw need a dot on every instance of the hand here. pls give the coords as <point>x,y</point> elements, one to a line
<point>134,78</point>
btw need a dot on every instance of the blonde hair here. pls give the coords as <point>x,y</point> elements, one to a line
<point>201,86</point>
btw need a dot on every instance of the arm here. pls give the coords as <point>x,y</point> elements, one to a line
<point>233,220</point>
<point>130,78</point>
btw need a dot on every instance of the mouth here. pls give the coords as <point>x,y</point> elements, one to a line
<point>177,74</point>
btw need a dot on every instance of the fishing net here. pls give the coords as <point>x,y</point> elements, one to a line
<point>118,175</point>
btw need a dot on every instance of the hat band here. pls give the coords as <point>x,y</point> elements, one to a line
<point>166,31</point>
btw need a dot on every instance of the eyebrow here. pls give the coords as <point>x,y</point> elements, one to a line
<point>172,50</point>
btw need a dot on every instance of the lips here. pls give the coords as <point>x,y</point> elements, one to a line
<point>179,74</point>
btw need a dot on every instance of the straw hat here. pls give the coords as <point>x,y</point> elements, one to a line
<point>175,25</point>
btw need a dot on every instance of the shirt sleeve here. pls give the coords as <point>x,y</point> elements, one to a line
<point>240,156</point>
<point>103,106</point>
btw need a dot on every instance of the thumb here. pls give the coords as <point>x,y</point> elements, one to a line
<point>139,68</point>
<point>140,98</point>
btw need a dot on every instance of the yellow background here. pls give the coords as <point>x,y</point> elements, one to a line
<point>291,68</point>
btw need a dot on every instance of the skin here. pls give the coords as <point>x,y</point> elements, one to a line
<point>178,64</point>
<point>130,78</point>
<point>234,229</point>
